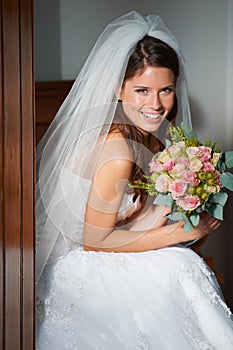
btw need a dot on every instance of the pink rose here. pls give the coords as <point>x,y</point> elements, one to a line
<point>208,167</point>
<point>189,202</point>
<point>184,161</point>
<point>191,178</point>
<point>195,164</point>
<point>155,166</point>
<point>178,188</point>
<point>178,170</point>
<point>193,152</point>
<point>163,183</point>
<point>164,155</point>
<point>177,149</point>
<point>169,164</point>
<point>205,153</point>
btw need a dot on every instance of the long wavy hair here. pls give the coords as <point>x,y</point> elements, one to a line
<point>149,51</point>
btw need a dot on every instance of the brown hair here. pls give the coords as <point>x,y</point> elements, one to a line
<point>149,51</point>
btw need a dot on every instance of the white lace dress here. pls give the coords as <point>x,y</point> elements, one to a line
<point>156,300</point>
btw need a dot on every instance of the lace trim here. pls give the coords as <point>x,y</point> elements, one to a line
<point>206,281</point>
<point>141,341</point>
<point>195,306</point>
<point>106,260</point>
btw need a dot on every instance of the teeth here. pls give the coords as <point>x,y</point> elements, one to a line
<point>151,116</point>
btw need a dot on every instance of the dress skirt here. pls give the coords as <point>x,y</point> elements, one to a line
<point>165,299</point>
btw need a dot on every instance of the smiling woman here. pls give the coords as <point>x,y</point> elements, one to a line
<point>111,272</point>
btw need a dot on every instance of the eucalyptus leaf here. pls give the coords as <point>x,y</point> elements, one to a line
<point>228,159</point>
<point>215,210</point>
<point>221,166</point>
<point>156,155</point>
<point>188,227</point>
<point>164,199</point>
<point>167,143</point>
<point>169,201</point>
<point>226,180</point>
<point>220,198</point>
<point>175,216</point>
<point>194,218</point>
<point>188,133</point>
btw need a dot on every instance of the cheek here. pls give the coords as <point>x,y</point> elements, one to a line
<point>168,103</point>
<point>130,97</point>
<point>128,108</point>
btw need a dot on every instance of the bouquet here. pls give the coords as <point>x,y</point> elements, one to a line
<point>189,177</point>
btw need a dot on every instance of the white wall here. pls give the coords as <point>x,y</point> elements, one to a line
<point>47,40</point>
<point>201,29</point>
<point>204,29</point>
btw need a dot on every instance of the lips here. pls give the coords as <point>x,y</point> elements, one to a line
<point>152,117</point>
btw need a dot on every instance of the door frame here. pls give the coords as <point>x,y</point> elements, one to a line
<point>17,175</point>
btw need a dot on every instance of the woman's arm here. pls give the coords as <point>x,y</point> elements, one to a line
<point>147,232</point>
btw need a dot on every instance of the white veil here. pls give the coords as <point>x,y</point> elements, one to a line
<point>83,119</point>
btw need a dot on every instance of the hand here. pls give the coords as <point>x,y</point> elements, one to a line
<point>206,225</point>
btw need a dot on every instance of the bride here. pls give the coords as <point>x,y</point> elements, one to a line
<point>112,273</point>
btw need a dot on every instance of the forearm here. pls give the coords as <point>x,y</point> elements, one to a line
<point>153,217</point>
<point>144,240</point>
<point>137,241</point>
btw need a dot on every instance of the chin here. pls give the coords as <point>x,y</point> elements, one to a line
<point>152,128</point>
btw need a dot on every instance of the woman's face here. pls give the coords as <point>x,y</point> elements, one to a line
<point>148,98</point>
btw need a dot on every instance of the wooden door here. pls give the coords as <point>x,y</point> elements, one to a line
<point>16,175</point>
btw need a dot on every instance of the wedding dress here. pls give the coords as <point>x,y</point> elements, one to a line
<point>160,299</point>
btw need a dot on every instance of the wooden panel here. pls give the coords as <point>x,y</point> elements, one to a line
<point>17,179</point>
<point>11,169</point>
<point>27,173</point>
<point>49,97</point>
<point>2,285</point>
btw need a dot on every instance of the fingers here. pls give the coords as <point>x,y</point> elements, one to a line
<point>213,223</point>
<point>216,224</point>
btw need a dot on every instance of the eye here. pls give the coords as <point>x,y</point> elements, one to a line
<point>142,90</point>
<point>167,91</point>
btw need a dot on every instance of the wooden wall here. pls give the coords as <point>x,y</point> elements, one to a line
<point>49,96</point>
<point>16,175</point>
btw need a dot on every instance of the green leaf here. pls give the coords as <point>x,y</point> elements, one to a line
<point>221,166</point>
<point>176,134</point>
<point>214,146</point>
<point>226,180</point>
<point>188,133</point>
<point>220,198</point>
<point>164,199</point>
<point>156,155</point>
<point>207,143</point>
<point>188,227</point>
<point>228,156</point>
<point>194,218</point>
<point>167,143</point>
<point>175,216</point>
<point>215,210</point>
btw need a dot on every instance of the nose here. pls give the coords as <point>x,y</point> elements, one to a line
<point>154,102</point>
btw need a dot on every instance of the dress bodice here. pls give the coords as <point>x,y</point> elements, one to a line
<point>128,206</point>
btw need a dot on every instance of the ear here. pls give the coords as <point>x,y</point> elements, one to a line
<point>119,92</point>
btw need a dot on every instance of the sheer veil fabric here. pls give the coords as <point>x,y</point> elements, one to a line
<point>83,119</point>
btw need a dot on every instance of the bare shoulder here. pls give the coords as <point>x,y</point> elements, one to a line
<point>116,147</point>
<point>113,168</point>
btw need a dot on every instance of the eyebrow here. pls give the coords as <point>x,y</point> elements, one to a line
<point>147,87</point>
